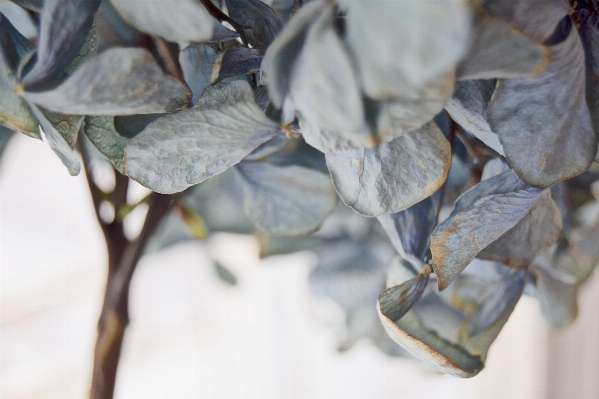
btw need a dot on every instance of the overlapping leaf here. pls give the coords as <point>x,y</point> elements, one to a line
<point>288,201</point>
<point>58,144</point>
<point>263,21</point>
<point>410,230</point>
<point>468,108</point>
<point>283,52</point>
<point>64,29</point>
<point>544,123</point>
<point>239,61</point>
<point>393,176</point>
<point>102,133</point>
<point>119,81</point>
<point>190,146</point>
<point>499,50</point>
<point>399,44</point>
<point>324,87</point>
<point>480,216</point>
<point>200,68</point>
<point>590,41</point>
<point>14,111</point>
<point>185,21</point>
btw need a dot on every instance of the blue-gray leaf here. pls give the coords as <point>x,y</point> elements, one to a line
<point>499,50</point>
<point>548,114</point>
<point>190,146</point>
<point>289,201</point>
<point>468,108</point>
<point>200,68</point>
<point>119,81</point>
<point>102,133</point>
<point>183,21</point>
<point>480,216</point>
<point>15,114</point>
<point>393,176</point>
<point>64,30</point>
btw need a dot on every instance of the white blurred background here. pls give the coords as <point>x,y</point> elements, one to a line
<point>193,336</point>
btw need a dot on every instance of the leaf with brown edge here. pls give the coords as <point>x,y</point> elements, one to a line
<point>480,216</point>
<point>543,123</point>
<point>499,50</point>
<point>426,345</point>
<point>396,301</point>
<point>393,176</point>
<point>537,231</point>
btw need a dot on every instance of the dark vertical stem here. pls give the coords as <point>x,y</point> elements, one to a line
<point>123,256</point>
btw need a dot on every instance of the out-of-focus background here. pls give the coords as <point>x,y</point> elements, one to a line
<point>193,336</point>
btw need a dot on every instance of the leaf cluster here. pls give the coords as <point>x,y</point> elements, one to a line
<point>463,136</point>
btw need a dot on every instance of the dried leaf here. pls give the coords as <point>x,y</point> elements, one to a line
<point>393,176</point>
<point>102,133</point>
<point>190,146</point>
<point>200,66</point>
<point>119,81</point>
<point>289,201</point>
<point>184,21</point>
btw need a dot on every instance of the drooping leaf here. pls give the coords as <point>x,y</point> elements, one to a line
<point>15,114</point>
<point>281,55</point>
<point>480,216</point>
<point>190,146</point>
<point>288,201</point>
<point>410,230</point>
<point>185,21</point>
<point>263,21</point>
<point>327,141</point>
<point>67,126</point>
<point>399,44</point>
<point>396,301</point>
<point>119,81</point>
<point>499,50</point>
<point>102,133</point>
<point>537,231</point>
<point>393,176</point>
<point>58,144</point>
<point>89,49</point>
<point>544,123</point>
<point>324,87</point>
<point>64,30</point>
<point>5,135</point>
<point>239,61</point>
<point>200,68</point>
<point>468,108</point>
